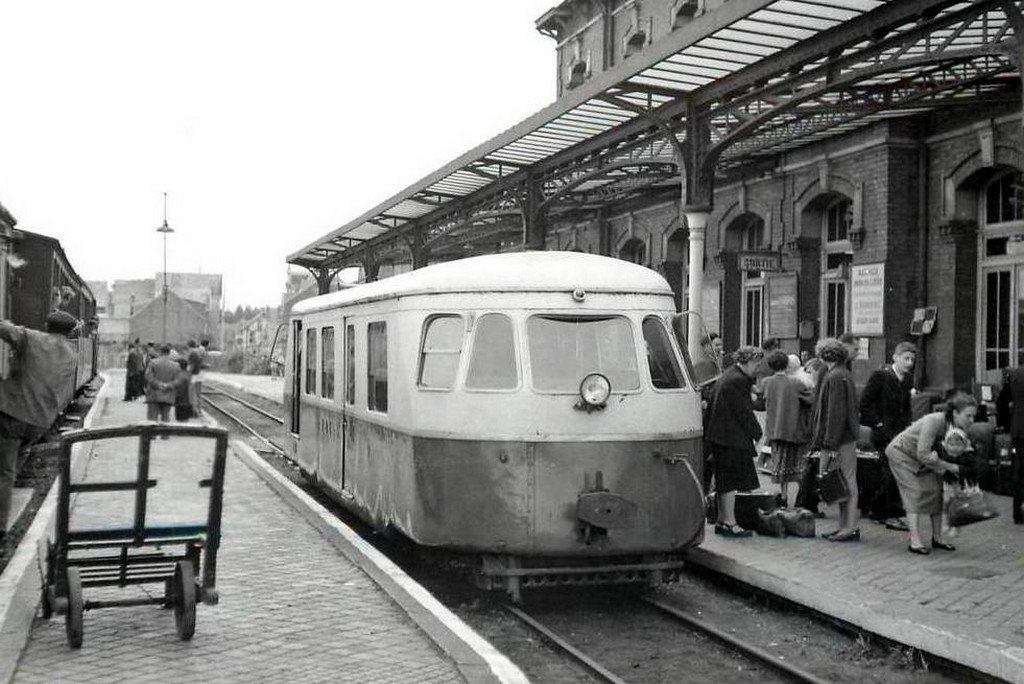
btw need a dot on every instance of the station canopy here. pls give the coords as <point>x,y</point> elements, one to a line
<point>760,77</point>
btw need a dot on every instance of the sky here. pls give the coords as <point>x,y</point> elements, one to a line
<point>267,123</point>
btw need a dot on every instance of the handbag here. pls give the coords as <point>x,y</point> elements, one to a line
<point>832,486</point>
<point>968,506</point>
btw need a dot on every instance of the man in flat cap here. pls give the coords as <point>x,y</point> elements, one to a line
<point>40,386</point>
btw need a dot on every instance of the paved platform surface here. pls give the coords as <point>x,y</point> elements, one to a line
<point>292,608</point>
<point>267,386</point>
<point>966,606</point>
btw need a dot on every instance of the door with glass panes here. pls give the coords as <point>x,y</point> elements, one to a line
<point>1002,321</point>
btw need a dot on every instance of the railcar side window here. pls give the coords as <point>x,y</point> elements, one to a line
<point>442,348</point>
<point>377,366</point>
<point>661,358</point>
<point>327,366</point>
<point>564,349</point>
<point>493,362</point>
<point>350,364</point>
<point>311,361</point>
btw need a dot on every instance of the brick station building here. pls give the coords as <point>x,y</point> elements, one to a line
<point>850,166</point>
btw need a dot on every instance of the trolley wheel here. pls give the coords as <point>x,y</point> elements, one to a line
<point>185,600</point>
<point>73,617</point>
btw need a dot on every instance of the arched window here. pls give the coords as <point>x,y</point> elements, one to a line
<point>837,255</point>
<point>750,230</point>
<point>1001,254</point>
<point>634,250</point>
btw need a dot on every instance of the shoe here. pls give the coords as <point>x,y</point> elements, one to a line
<point>851,536</point>
<point>1018,522</point>
<point>897,524</point>
<point>732,531</point>
<point>942,546</point>
<point>919,550</point>
<point>829,535</point>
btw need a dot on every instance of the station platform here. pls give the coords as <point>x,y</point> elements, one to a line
<point>966,606</point>
<point>302,598</point>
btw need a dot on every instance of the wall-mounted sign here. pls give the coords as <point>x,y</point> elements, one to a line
<point>782,309</point>
<point>759,261</point>
<point>867,299</point>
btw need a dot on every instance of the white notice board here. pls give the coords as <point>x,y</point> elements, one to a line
<point>867,299</point>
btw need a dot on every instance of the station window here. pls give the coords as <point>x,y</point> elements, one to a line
<point>311,361</point>
<point>327,367</point>
<point>837,257</point>
<point>565,349</point>
<point>377,366</point>
<point>350,365</point>
<point>442,348</point>
<point>492,365</point>
<point>1004,198</point>
<point>661,358</point>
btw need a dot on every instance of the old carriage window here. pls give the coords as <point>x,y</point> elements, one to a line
<point>350,364</point>
<point>564,349</point>
<point>327,367</point>
<point>493,362</point>
<point>442,347</point>
<point>1004,198</point>
<point>661,358</point>
<point>311,361</point>
<point>377,366</point>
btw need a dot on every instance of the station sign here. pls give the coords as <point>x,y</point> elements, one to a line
<point>867,299</point>
<point>759,261</point>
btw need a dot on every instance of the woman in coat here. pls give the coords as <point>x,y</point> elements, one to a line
<point>787,404</point>
<point>916,464</point>
<point>732,431</point>
<point>835,432</point>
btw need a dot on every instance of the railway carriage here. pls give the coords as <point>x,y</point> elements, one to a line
<point>533,409</point>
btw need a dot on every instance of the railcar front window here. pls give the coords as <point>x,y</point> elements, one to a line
<point>493,363</point>
<point>327,367</point>
<point>564,349</point>
<point>311,361</point>
<point>442,348</point>
<point>661,358</point>
<point>377,367</point>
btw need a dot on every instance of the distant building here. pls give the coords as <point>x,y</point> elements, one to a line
<point>185,320</point>
<point>102,294</point>
<point>129,296</point>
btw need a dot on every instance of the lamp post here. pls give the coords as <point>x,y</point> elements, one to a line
<point>165,229</point>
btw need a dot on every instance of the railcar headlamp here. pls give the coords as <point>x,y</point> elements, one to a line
<point>595,390</point>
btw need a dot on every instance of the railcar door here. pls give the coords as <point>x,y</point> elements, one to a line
<point>296,375</point>
<point>348,381</point>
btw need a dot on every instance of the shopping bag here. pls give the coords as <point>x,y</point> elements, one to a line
<point>831,484</point>
<point>968,506</point>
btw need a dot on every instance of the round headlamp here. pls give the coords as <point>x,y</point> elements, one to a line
<point>595,389</point>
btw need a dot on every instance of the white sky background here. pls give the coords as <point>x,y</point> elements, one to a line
<point>267,123</point>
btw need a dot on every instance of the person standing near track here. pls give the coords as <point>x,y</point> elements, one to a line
<point>196,363</point>
<point>1010,404</point>
<point>41,385</point>
<point>161,385</point>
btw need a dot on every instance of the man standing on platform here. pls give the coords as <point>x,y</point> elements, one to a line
<point>41,385</point>
<point>885,408</point>
<point>161,385</point>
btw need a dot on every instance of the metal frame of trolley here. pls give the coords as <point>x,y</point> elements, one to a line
<point>182,557</point>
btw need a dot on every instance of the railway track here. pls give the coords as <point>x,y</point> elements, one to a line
<point>659,610</point>
<point>255,424</point>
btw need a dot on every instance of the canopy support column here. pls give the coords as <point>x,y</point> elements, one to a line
<point>535,229</point>
<point>698,200</point>
<point>323,277</point>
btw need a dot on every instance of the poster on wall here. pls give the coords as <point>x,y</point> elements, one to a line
<point>867,299</point>
<point>782,311</point>
<point>710,299</point>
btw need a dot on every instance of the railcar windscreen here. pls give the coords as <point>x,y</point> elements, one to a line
<point>492,365</point>
<point>565,349</point>
<point>661,359</point>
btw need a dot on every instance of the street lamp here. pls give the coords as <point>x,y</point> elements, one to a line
<point>165,229</point>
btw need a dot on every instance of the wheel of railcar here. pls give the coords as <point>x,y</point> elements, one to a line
<point>76,606</point>
<point>185,600</point>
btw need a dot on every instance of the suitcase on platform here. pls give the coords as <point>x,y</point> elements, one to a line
<point>747,504</point>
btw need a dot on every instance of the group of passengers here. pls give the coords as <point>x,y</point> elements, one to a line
<point>167,377</point>
<point>813,407</point>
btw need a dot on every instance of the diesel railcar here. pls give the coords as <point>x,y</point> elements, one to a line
<point>36,277</point>
<point>532,409</point>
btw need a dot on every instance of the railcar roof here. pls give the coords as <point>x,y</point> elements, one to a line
<point>548,271</point>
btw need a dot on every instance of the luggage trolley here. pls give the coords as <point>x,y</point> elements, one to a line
<point>173,554</point>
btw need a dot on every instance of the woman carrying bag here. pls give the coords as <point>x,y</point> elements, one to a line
<point>914,458</point>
